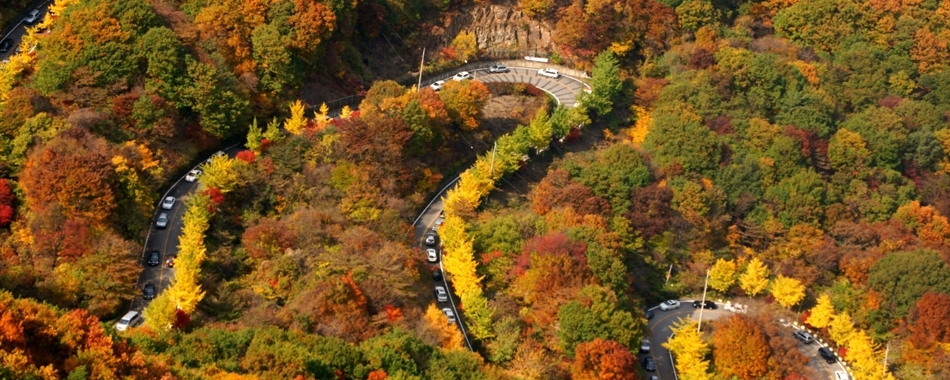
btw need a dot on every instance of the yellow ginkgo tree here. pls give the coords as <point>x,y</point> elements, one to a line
<point>755,279</point>
<point>297,121</point>
<point>787,291</point>
<point>689,350</point>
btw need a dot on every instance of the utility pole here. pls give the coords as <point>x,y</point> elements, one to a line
<point>887,348</point>
<point>702,306</point>
<point>668,273</point>
<point>491,169</point>
<point>421,65</point>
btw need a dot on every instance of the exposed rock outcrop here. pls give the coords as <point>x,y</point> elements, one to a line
<point>496,27</point>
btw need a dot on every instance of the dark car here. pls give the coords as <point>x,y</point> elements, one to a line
<point>148,292</point>
<point>5,45</point>
<point>705,305</point>
<point>826,354</point>
<point>649,315</point>
<point>648,364</point>
<point>154,258</point>
<point>437,275</point>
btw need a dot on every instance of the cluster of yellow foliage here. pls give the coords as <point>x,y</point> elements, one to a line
<point>864,355</point>
<point>689,349</point>
<point>185,292</point>
<point>638,132</point>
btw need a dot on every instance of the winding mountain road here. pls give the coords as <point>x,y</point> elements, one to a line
<point>564,90</point>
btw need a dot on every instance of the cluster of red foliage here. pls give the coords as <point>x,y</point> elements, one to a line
<point>6,203</point>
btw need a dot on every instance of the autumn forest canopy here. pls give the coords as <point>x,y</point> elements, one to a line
<point>796,150</point>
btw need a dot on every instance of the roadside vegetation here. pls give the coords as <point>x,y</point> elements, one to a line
<point>799,151</point>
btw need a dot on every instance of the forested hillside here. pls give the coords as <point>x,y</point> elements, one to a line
<point>798,150</point>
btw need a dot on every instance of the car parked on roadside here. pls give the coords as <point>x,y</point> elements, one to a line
<point>803,337</point>
<point>437,275</point>
<point>437,85</point>
<point>430,239</point>
<point>449,314</point>
<point>441,295</point>
<point>216,154</point>
<point>648,364</point>
<point>649,315</point>
<point>705,305</point>
<point>33,17</point>
<point>670,305</point>
<point>842,375</point>
<point>148,292</point>
<point>154,258</point>
<point>550,73</point>
<point>5,45</point>
<point>462,76</point>
<point>432,255</point>
<point>645,346</point>
<point>131,318</point>
<point>497,69</point>
<point>826,354</point>
<point>168,203</point>
<point>162,220</point>
<point>193,175</point>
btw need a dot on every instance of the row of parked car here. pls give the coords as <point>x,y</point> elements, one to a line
<point>154,258</point>
<point>493,69</point>
<point>432,247</point>
<point>824,352</point>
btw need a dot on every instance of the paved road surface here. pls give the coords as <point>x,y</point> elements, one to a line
<point>564,89</point>
<point>661,329</point>
<point>165,240</point>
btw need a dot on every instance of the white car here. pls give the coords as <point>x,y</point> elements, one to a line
<point>449,314</point>
<point>670,305</point>
<point>497,69</point>
<point>168,203</point>
<point>432,255</point>
<point>462,76</point>
<point>645,346</point>
<point>430,239</point>
<point>216,154</point>
<point>129,319</point>
<point>441,295</point>
<point>193,175</point>
<point>550,73</point>
<point>842,375</point>
<point>437,85</point>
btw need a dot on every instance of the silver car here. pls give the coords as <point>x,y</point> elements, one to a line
<point>33,17</point>
<point>162,220</point>
<point>432,255</point>
<point>497,69</point>
<point>441,295</point>
<point>449,314</point>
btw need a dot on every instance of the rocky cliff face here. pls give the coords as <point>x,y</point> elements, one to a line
<point>496,27</point>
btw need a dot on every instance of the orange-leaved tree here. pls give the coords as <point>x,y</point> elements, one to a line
<point>603,359</point>
<point>740,348</point>
<point>448,334</point>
